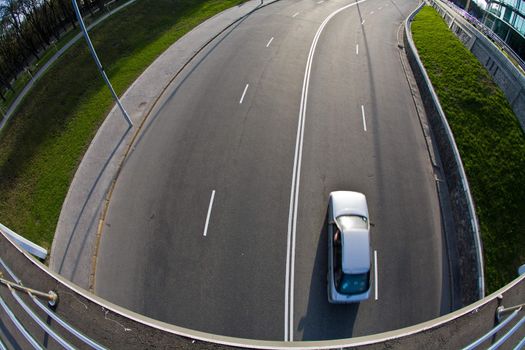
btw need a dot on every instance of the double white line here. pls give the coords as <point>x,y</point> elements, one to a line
<point>294,193</point>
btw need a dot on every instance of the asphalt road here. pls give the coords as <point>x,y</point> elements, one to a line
<point>199,231</point>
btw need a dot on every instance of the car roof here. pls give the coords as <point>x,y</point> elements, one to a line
<point>356,251</point>
<point>348,203</point>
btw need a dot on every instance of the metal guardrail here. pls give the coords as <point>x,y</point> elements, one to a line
<point>52,300</point>
<point>29,246</point>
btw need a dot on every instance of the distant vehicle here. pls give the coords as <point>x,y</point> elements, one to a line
<point>348,247</point>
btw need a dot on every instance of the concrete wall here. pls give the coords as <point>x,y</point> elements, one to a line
<point>467,232</point>
<point>116,328</point>
<point>504,73</point>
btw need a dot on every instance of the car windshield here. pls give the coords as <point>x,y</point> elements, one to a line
<point>353,283</point>
<point>348,222</point>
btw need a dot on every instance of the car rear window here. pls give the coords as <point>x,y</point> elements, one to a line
<point>348,222</point>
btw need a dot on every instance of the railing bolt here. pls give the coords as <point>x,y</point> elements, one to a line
<point>53,301</point>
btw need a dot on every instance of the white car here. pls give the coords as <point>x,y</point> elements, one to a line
<point>348,247</point>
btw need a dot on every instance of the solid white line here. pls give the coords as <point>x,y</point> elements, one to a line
<point>375,272</point>
<point>295,14</point>
<point>244,93</point>
<point>209,213</point>
<point>269,42</point>
<point>294,192</point>
<point>357,49</point>
<point>364,118</point>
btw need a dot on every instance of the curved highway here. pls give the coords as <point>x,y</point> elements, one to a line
<point>217,220</point>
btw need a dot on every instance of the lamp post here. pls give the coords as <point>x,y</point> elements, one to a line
<point>97,62</point>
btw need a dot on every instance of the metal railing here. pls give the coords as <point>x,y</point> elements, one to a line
<point>515,310</point>
<point>52,298</point>
<point>483,29</point>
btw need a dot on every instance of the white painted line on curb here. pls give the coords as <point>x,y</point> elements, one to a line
<point>244,93</point>
<point>364,118</point>
<point>294,191</point>
<point>269,42</point>
<point>375,273</point>
<point>357,49</point>
<point>209,213</point>
<point>295,14</point>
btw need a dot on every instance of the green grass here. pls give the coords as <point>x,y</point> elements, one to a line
<point>490,141</point>
<point>44,142</point>
<point>24,77</point>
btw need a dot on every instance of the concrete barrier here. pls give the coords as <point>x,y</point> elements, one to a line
<point>467,230</point>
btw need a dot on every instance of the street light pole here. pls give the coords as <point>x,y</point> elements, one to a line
<point>97,61</point>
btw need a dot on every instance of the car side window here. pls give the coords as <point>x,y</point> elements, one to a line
<point>338,259</point>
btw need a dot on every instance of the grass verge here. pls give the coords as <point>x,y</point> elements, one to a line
<point>490,141</point>
<point>42,145</point>
<point>24,77</point>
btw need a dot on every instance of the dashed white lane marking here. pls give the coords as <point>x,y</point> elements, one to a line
<point>244,93</point>
<point>363,22</point>
<point>269,42</point>
<point>357,49</point>
<point>364,118</point>
<point>320,2</point>
<point>375,273</point>
<point>371,12</point>
<point>380,8</point>
<point>209,213</point>
<point>295,14</point>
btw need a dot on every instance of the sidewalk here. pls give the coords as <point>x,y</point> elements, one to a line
<point>75,246</point>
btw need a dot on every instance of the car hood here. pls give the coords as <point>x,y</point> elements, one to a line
<point>349,203</point>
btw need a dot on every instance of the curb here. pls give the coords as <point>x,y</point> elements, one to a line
<point>472,218</point>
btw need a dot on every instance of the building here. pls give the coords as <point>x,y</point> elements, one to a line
<point>506,18</point>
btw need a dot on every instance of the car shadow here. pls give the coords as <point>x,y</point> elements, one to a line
<point>324,321</point>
